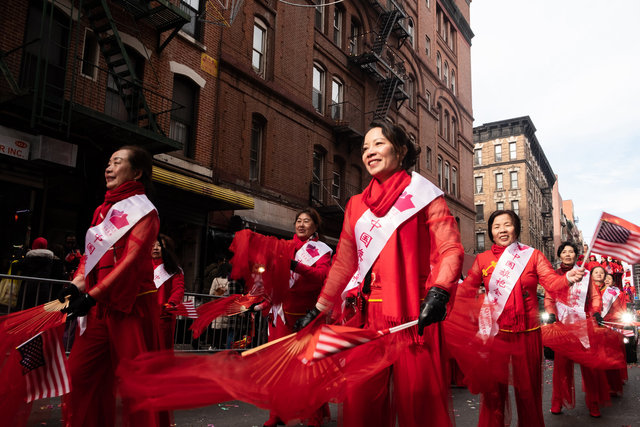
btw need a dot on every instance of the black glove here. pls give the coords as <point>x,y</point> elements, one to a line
<point>433,309</point>
<point>552,319</point>
<point>308,318</point>
<point>293,265</point>
<point>252,308</point>
<point>599,319</point>
<point>68,291</point>
<point>80,306</point>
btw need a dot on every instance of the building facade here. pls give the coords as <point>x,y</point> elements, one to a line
<point>511,171</point>
<point>253,110</point>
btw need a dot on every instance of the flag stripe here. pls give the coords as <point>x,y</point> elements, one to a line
<point>617,240</point>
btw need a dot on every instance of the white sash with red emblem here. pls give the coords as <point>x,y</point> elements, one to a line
<point>372,233</point>
<point>161,275</point>
<point>608,298</point>
<point>574,311</point>
<point>308,255</point>
<point>117,222</point>
<point>503,279</point>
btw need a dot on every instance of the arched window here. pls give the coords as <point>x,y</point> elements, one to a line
<point>445,124</point>
<point>453,82</point>
<point>446,74</point>
<point>447,177</point>
<point>439,65</point>
<point>410,31</point>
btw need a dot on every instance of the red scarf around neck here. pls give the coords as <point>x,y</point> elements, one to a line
<point>381,196</point>
<point>123,191</point>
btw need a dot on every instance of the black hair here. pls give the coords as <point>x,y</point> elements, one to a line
<point>398,138</point>
<point>141,160</point>
<point>169,257</point>
<point>514,218</point>
<point>564,245</point>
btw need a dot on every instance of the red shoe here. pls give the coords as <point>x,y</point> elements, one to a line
<point>556,408</point>
<point>273,421</point>
<point>594,410</point>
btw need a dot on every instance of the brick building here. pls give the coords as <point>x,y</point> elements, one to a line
<point>511,172</point>
<point>252,109</point>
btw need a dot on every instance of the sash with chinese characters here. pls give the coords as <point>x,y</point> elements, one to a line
<point>373,233</point>
<point>503,279</point>
<point>570,313</point>
<point>117,222</point>
<point>608,297</point>
<point>160,275</point>
<point>308,255</point>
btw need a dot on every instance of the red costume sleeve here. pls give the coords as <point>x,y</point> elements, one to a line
<point>470,285</point>
<point>317,272</point>
<point>556,284</point>
<point>177,289</point>
<point>594,299</point>
<point>550,304</point>
<point>120,287</point>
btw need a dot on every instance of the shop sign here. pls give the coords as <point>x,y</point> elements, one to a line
<point>209,65</point>
<point>14,145</point>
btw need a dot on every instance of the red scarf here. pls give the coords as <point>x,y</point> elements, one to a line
<point>300,243</point>
<point>514,314</point>
<point>123,191</point>
<point>381,196</point>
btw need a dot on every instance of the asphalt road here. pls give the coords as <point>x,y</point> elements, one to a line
<point>624,411</point>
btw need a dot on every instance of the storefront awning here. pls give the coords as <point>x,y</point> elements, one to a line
<point>197,186</point>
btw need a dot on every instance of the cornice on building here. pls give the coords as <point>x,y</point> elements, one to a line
<point>456,16</point>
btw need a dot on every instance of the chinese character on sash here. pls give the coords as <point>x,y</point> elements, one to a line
<point>98,238</point>
<point>360,254</point>
<point>501,283</point>
<point>505,273</point>
<point>375,223</point>
<point>366,239</point>
<point>91,248</point>
<point>511,264</point>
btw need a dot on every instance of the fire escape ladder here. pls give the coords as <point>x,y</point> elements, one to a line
<point>8,75</point>
<point>387,22</point>
<point>121,70</point>
<point>386,95</point>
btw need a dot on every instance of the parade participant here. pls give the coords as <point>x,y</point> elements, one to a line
<point>401,230</point>
<point>509,319</point>
<point>309,267</point>
<point>113,291</point>
<point>590,304</point>
<point>169,279</point>
<point>591,263</point>
<point>613,307</point>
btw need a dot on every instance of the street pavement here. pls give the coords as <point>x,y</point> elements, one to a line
<point>623,412</point>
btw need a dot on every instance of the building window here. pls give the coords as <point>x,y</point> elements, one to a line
<point>512,151</point>
<point>410,32</point>
<point>439,65</point>
<point>255,152</point>
<point>336,99</point>
<point>427,96</point>
<point>337,26</point>
<point>317,97</point>
<point>90,53</point>
<point>319,21</point>
<point>429,163</point>
<point>454,181</point>
<point>428,4</point>
<point>453,82</point>
<point>259,47</point>
<point>480,242</point>
<point>411,92</point>
<point>182,124</point>
<point>499,206</point>
<point>439,171</point>
<point>479,185</point>
<point>440,120</point>
<point>497,151</point>
<point>499,184</point>
<point>515,206</point>
<point>454,131</point>
<point>335,185</point>
<point>479,213</point>
<point>447,180</point>
<point>445,73</point>
<point>318,173</point>
<point>439,20</point>
<point>477,157</point>
<point>514,179</point>
<point>192,8</point>
<point>452,38</point>
<point>354,39</point>
<point>427,46</point>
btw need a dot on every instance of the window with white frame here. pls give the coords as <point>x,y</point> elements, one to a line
<point>337,26</point>
<point>445,73</point>
<point>447,177</point>
<point>453,82</point>
<point>479,184</point>
<point>454,181</point>
<point>90,55</point>
<point>497,152</point>
<point>512,151</point>
<point>439,65</point>
<point>259,47</point>
<point>480,242</point>
<point>317,175</point>
<point>499,183</point>
<point>514,179</point>
<point>319,17</point>
<point>354,39</point>
<point>515,206</point>
<point>477,157</point>
<point>410,32</point>
<point>337,99</point>
<point>335,185</point>
<point>192,8</point>
<point>427,46</point>
<point>317,96</point>
<point>499,206</point>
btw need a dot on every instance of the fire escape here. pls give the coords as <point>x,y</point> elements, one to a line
<point>380,61</point>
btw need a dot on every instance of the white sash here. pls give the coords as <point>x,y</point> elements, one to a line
<point>372,233</point>
<point>160,275</point>
<point>308,255</point>
<point>119,220</point>
<point>608,297</point>
<point>575,311</point>
<point>503,279</point>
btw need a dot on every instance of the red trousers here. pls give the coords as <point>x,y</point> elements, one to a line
<point>527,384</point>
<point>615,379</point>
<point>93,361</point>
<point>167,332</point>
<point>594,384</point>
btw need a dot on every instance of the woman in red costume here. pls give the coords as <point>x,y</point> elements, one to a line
<point>613,308</point>
<point>593,380</point>
<point>117,298</point>
<point>309,267</point>
<point>510,273</point>
<point>169,280</point>
<point>417,267</point>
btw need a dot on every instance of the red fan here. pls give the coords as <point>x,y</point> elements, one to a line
<point>271,376</point>
<point>228,306</point>
<point>27,323</point>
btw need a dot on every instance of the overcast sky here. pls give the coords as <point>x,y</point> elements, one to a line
<point>574,68</point>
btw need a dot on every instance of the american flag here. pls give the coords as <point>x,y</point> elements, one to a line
<point>44,366</point>
<point>186,308</point>
<point>332,339</point>
<point>618,238</point>
<point>624,332</point>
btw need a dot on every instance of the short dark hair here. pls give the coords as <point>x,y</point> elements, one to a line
<point>564,245</point>
<point>140,160</point>
<point>398,138</point>
<point>169,258</point>
<point>514,217</point>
